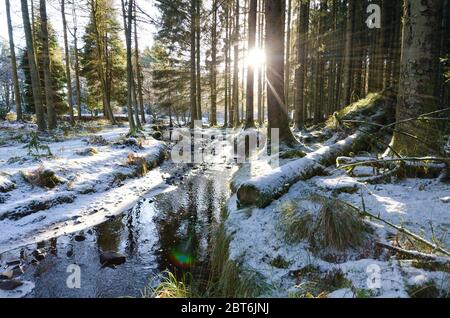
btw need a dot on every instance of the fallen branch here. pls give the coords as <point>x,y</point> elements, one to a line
<point>385,162</point>
<point>430,258</point>
<point>399,228</point>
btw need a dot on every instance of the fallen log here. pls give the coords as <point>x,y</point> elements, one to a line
<point>262,190</point>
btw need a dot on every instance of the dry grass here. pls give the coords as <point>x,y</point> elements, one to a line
<point>330,224</point>
<point>42,177</point>
<point>139,163</point>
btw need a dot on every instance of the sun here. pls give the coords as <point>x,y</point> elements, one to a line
<point>256,58</point>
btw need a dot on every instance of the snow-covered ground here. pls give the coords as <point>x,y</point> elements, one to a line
<point>94,186</point>
<point>259,244</point>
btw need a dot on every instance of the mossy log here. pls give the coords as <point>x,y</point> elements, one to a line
<point>263,189</point>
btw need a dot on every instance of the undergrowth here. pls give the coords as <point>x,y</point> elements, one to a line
<point>225,279</point>
<point>326,223</point>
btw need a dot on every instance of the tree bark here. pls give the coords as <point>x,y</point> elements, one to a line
<point>347,90</point>
<point>17,99</point>
<point>67,55</point>
<point>300,72</point>
<point>49,94</point>
<point>287,68</point>
<point>35,82</point>
<point>277,115</point>
<point>138,69</point>
<point>198,56</point>
<point>260,70</point>
<point>130,81</point>
<point>193,93</point>
<point>227,61</point>
<point>250,121</point>
<point>213,118</point>
<point>235,99</point>
<point>77,63</point>
<point>419,85</point>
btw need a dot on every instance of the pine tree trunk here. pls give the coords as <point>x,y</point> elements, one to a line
<point>193,96</point>
<point>261,69</point>
<point>243,78</point>
<point>127,27</point>
<point>35,82</point>
<point>235,99</point>
<point>77,63</point>
<point>67,55</point>
<point>213,119</point>
<point>347,89</point>
<point>227,62</point>
<point>418,91</point>
<point>49,93</point>
<point>300,72</point>
<point>249,112</point>
<point>138,69</point>
<point>287,68</point>
<point>13,64</point>
<point>275,72</point>
<point>198,68</point>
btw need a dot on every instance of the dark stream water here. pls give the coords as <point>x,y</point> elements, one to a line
<point>169,231</point>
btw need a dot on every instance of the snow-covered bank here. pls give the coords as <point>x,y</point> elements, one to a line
<point>96,180</point>
<point>259,244</point>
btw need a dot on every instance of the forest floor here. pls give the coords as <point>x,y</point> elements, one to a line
<point>74,178</point>
<point>77,178</point>
<point>270,242</point>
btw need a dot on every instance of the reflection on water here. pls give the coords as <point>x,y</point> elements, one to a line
<point>170,231</point>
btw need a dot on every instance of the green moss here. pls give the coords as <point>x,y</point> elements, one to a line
<point>361,107</point>
<point>293,153</point>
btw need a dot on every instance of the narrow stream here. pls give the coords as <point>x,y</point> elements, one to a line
<point>169,231</point>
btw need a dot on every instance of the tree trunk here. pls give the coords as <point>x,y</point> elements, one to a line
<point>213,119</point>
<point>66,51</point>
<point>250,122</point>
<point>14,64</point>
<point>277,115</point>
<point>287,68</point>
<point>260,70</point>
<point>127,27</point>
<point>227,61</point>
<point>419,85</point>
<point>198,52</point>
<point>77,63</point>
<point>35,82</point>
<point>235,98</point>
<point>49,93</point>
<point>138,69</point>
<point>347,90</point>
<point>300,72</point>
<point>193,92</point>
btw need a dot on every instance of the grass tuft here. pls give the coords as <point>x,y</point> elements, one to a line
<point>330,223</point>
<point>139,163</point>
<point>42,177</point>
